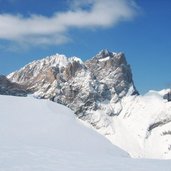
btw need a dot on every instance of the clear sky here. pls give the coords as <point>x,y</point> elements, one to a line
<point>33,29</point>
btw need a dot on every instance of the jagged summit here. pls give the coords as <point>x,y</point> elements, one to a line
<point>37,67</point>
<point>82,86</point>
<point>60,60</point>
<point>104,53</point>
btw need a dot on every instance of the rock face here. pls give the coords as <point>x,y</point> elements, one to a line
<point>83,87</point>
<point>9,88</point>
<point>112,70</point>
<point>167,95</point>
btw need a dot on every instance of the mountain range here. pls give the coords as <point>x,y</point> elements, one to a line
<point>102,94</point>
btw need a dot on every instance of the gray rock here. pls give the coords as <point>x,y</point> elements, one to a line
<point>9,88</point>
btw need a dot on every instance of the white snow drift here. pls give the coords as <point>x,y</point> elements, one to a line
<point>143,128</point>
<point>39,135</point>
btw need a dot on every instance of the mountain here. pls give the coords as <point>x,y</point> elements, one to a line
<point>39,135</point>
<point>9,88</point>
<point>79,85</point>
<point>102,94</point>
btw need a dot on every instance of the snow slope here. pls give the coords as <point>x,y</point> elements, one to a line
<point>39,135</point>
<point>143,128</point>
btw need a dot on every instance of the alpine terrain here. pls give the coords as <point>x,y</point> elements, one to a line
<point>102,94</point>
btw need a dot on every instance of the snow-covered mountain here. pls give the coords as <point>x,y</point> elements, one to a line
<point>102,94</point>
<point>81,86</point>
<point>39,135</point>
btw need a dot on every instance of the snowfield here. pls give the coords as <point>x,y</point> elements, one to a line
<point>143,128</point>
<point>39,135</point>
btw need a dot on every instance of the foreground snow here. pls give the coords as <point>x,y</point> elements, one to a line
<point>39,135</point>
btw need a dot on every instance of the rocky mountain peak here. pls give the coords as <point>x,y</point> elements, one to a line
<point>112,69</point>
<point>98,84</point>
<point>104,53</point>
<point>33,70</point>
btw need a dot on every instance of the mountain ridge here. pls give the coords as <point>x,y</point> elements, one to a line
<point>47,78</point>
<point>101,92</point>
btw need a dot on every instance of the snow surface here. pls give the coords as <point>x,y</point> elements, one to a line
<point>39,135</point>
<point>143,128</point>
<point>104,59</point>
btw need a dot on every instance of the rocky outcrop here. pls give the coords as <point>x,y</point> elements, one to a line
<point>105,78</point>
<point>9,88</point>
<point>167,95</point>
<point>112,70</point>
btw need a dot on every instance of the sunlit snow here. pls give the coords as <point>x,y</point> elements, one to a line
<point>39,135</point>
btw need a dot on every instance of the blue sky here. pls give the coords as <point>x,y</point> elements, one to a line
<point>30,30</point>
